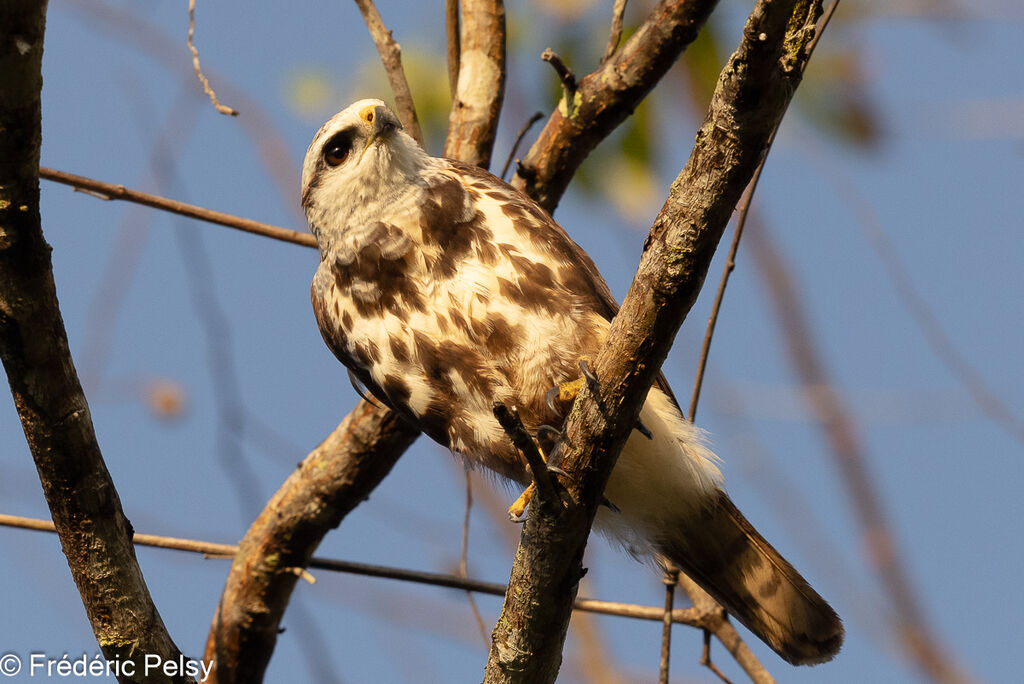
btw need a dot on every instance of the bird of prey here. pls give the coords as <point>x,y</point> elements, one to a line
<point>445,290</point>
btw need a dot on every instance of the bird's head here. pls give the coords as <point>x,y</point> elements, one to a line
<point>358,161</point>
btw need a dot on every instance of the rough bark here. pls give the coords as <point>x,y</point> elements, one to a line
<point>473,121</point>
<point>606,97</point>
<point>335,478</point>
<point>752,94</point>
<point>86,510</point>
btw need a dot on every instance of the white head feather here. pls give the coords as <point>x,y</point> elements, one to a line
<point>358,161</point>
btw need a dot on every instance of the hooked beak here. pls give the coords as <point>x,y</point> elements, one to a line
<point>382,123</point>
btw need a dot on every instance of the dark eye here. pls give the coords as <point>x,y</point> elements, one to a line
<point>337,149</point>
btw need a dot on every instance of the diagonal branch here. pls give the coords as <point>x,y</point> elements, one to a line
<point>606,97</point>
<point>473,121</point>
<point>86,511</point>
<point>391,57</point>
<point>109,191</point>
<point>753,92</point>
<point>336,477</point>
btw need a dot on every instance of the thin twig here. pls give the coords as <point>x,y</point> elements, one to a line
<point>713,619</point>
<point>671,580</point>
<point>566,76</point>
<point>109,191</point>
<point>451,26</point>
<point>130,29</point>
<point>741,222</point>
<point>223,109</point>
<point>682,616</point>
<point>537,116</point>
<point>730,264</point>
<point>464,553</point>
<point>391,57</point>
<point>615,35</point>
<point>705,658</point>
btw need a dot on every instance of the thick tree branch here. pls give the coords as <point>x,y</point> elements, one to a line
<point>335,478</point>
<point>451,29</point>
<point>86,510</point>
<point>606,97</point>
<point>753,92</point>
<point>473,121</point>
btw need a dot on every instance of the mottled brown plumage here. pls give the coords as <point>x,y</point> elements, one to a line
<point>444,290</point>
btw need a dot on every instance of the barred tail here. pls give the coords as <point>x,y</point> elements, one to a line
<point>722,552</point>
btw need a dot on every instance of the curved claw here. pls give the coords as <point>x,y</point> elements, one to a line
<point>555,458</point>
<point>552,433</point>
<point>360,389</point>
<point>550,397</point>
<point>612,507</point>
<point>589,375</point>
<point>643,430</point>
<point>518,519</point>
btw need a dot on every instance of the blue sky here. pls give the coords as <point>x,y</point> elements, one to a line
<point>944,184</point>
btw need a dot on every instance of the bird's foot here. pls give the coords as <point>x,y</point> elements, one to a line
<point>517,511</point>
<point>567,391</point>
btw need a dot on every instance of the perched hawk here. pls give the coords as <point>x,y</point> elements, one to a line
<point>444,290</point>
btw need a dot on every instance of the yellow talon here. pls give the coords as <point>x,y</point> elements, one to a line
<point>518,507</point>
<point>567,391</point>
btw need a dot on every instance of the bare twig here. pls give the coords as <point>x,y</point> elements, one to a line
<point>682,616</point>
<point>741,222</point>
<point>464,553</point>
<point>94,533</point>
<point>705,658</point>
<point>108,191</point>
<point>671,580</point>
<point>714,620</point>
<point>537,116</point>
<point>451,27</point>
<point>132,235</point>
<point>618,11</point>
<point>391,57</point>
<point>128,28</point>
<point>223,109</point>
<point>473,120</point>
<point>567,78</point>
